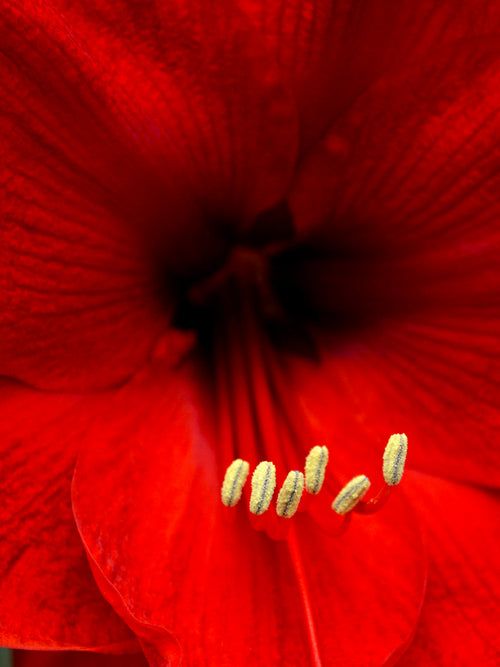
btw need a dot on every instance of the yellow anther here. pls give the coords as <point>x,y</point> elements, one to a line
<point>394,458</point>
<point>351,494</point>
<point>234,481</point>
<point>263,485</point>
<point>290,494</point>
<point>315,469</point>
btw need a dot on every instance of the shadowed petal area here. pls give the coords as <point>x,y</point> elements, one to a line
<point>331,51</point>
<point>73,276</point>
<point>193,579</point>
<point>411,170</point>
<point>76,659</point>
<point>49,597</point>
<point>459,622</point>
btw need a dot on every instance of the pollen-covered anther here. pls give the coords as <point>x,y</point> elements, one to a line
<point>351,494</point>
<point>315,469</point>
<point>234,481</point>
<point>290,494</point>
<point>263,485</point>
<point>394,458</point>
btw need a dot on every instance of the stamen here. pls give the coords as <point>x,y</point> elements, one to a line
<point>315,469</point>
<point>263,485</point>
<point>290,494</point>
<point>351,494</point>
<point>234,481</point>
<point>394,458</point>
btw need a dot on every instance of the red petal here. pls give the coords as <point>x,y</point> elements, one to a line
<point>459,623</point>
<point>49,597</point>
<point>73,276</point>
<point>76,659</point>
<point>193,578</point>
<point>331,52</point>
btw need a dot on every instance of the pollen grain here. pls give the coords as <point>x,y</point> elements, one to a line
<point>263,485</point>
<point>315,468</point>
<point>351,494</point>
<point>394,458</point>
<point>234,481</point>
<point>290,494</point>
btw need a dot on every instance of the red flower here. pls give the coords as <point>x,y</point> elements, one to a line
<point>240,230</point>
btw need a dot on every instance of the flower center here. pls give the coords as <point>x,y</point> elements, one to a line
<point>262,424</point>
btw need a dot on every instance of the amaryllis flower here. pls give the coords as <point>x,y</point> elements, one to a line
<point>241,230</point>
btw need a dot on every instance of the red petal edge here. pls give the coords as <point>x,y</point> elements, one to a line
<point>49,597</point>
